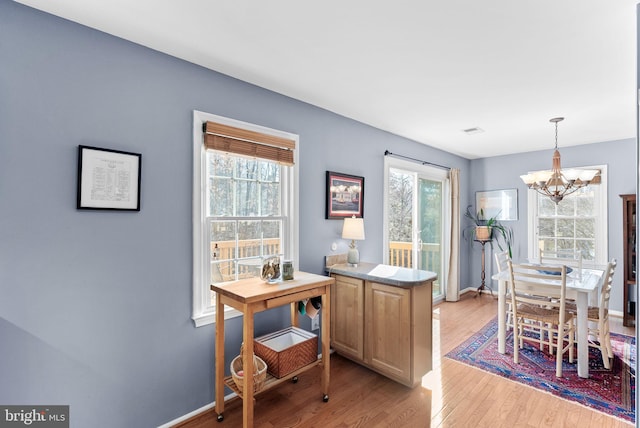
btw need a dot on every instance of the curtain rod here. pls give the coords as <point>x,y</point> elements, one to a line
<point>388,153</point>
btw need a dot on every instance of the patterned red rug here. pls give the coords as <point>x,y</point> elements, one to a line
<point>609,391</point>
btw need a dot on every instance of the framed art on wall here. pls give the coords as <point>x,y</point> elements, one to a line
<point>501,204</point>
<point>344,196</point>
<point>108,179</point>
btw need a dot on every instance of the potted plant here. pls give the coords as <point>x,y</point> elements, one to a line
<point>482,229</point>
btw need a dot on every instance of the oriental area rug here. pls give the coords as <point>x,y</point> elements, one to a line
<point>608,391</point>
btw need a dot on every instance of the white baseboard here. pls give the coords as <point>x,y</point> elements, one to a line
<point>616,314</point>
<point>195,412</point>
<point>206,407</point>
<point>475,289</point>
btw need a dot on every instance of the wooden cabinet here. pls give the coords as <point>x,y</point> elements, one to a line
<point>385,327</point>
<point>629,263</point>
<point>348,337</point>
<point>388,326</point>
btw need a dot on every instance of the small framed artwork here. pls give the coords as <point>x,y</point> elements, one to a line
<point>501,204</point>
<point>345,195</point>
<point>108,179</point>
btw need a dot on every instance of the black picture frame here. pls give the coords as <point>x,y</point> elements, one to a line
<point>344,195</point>
<point>108,179</point>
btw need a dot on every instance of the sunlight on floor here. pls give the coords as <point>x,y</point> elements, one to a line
<point>433,379</point>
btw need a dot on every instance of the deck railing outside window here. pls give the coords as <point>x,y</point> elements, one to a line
<point>248,261</point>
<point>401,254</point>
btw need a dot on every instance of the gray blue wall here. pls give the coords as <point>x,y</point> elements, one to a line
<point>502,172</point>
<point>95,306</point>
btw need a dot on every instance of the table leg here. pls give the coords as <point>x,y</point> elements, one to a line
<point>247,366</point>
<point>219,369</point>
<point>583,334</point>
<point>295,317</point>
<point>502,316</point>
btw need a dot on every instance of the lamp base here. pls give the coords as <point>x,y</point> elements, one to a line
<point>353,257</point>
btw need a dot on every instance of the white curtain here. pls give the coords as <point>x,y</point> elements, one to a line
<point>453,280</point>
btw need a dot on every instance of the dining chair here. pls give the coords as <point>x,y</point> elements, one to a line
<point>554,324</point>
<point>599,316</point>
<point>571,258</point>
<point>502,265</point>
<point>502,259</point>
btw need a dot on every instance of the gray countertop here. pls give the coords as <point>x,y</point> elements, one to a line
<point>385,274</point>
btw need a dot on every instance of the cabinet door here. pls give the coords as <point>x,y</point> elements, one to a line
<point>347,317</point>
<point>388,330</point>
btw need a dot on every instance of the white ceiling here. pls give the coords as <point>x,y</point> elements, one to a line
<point>423,69</point>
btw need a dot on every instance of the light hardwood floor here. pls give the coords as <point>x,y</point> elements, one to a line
<point>453,395</point>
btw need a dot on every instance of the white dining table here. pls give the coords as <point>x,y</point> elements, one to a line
<point>580,285</point>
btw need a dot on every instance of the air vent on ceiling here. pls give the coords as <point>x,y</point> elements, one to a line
<point>474,130</point>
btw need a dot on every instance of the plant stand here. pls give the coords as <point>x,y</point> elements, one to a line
<point>483,286</point>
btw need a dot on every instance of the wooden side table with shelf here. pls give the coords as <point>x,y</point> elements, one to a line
<point>253,295</point>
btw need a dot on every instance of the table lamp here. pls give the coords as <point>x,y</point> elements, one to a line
<point>353,228</point>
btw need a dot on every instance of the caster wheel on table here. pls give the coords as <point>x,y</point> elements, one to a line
<point>325,398</point>
<point>220,418</point>
<point>294,379</point>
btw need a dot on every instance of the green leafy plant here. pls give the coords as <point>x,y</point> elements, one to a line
<point>479,219</point>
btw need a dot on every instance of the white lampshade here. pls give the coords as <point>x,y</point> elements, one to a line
<point>528,179</point>
<point>588,174</point>
<point>353,228</point>
<point>542,176</point>
<point>571,174</point>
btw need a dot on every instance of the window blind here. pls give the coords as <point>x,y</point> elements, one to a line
<point>244,142</point>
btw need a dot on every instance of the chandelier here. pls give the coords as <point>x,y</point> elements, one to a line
<point>557,182</point>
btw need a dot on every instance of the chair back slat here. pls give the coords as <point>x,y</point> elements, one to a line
<point>501,261</point>
<point>567,258</point>
<point>528,284</point>
<point>605,290</point>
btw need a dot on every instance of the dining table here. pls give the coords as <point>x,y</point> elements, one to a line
<point>581,284</point>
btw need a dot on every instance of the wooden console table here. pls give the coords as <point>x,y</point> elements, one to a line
<point>253,295</point>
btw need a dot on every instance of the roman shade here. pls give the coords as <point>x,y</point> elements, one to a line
<point>249,143</point>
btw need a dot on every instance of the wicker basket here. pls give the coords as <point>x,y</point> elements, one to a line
<point>287,350</point>
<point>259,372</point>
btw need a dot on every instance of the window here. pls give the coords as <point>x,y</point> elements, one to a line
<point>577,223</point>
<point>243,205</point>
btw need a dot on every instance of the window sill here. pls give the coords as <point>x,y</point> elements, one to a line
<point>209,317</point>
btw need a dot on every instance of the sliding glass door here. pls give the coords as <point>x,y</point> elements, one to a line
<point>429,228</point>
<point>416,219</point>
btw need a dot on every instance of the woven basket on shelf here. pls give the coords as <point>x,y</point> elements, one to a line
<point>259,372</point>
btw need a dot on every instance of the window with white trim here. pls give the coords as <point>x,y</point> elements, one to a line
<point>578,223</point>
<point>243,204</point>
